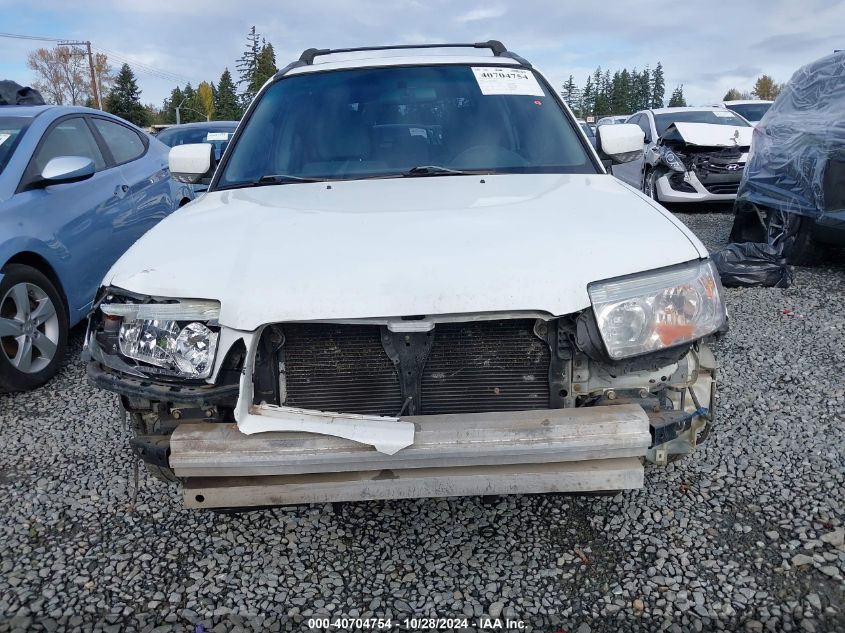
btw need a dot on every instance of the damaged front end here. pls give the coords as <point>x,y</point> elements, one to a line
<point>412,406</point>
<point>686,171</point>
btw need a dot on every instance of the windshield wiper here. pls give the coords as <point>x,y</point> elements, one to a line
<point>434,170</point>
<point>283,179</point>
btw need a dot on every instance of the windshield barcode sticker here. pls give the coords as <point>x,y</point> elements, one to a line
<point>507,81</point>
<point>217,136</point>
<point>724,115</point>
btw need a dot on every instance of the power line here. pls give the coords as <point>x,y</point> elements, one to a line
<point>137,66</point>
<point>145,68</point>
<point>30,37</point>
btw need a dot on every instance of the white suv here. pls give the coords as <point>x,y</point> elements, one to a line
<point>410,276</point>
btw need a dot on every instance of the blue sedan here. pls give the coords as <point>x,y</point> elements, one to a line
<point>77,188</point>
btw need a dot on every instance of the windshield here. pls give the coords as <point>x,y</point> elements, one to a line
<point>11,129</point>
<point>218,135</point>
<point>718,117</point>
<point>381,122</point>
<point>751,111</point>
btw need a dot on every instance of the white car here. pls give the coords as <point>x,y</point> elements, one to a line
<point>613,120</point>
<point>410,276</point>
<point>689,154</point>
<point>752,110</point>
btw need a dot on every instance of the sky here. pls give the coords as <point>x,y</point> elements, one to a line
<point>708,47</point>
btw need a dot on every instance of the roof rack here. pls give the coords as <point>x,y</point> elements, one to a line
<point>498,49</point>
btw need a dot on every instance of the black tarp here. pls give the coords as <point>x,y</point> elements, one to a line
<point>12,93</point>
<point>752,264</point>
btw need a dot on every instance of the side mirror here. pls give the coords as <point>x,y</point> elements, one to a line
<point>192,163</point>
<point>64,169</point>
<point>620,143</point>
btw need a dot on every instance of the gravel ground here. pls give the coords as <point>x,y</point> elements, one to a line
<point>745,535</point>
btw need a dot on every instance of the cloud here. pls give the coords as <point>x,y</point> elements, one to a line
<point>475,15</point>
<point>791,43</point>
<point>706,47</point>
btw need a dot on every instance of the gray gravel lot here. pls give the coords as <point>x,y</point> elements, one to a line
<point>745,535</point>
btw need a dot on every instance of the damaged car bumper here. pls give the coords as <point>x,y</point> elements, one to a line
<point>321,412</point>
<point>688,187</point>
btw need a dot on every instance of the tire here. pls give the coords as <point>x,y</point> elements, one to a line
<point>33,329</point>
<point>796,235</point>
<point>650,184</point>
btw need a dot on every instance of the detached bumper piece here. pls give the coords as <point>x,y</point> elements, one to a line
<point>553,450</point>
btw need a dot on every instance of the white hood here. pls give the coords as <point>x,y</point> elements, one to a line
<point>714,135</point>
<point>421,246</point>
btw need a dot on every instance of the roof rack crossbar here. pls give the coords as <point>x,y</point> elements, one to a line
<point>498,49</point>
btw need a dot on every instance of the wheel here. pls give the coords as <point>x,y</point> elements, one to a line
<point>650,185</point>
<point>33,329</point>
<point>795,232</point>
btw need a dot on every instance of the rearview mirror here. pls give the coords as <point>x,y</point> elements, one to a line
<point>191,163</point>
<point>620,143</point>
<point>64,169</point>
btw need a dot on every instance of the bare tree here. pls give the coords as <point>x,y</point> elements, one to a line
<point>63,76</point>
<point>105,77</point>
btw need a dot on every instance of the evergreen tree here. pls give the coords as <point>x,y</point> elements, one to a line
<point>169,107</point>
<point>602,90</point>
<point>247,65</point>
<point>599,95</point>
<point>622,100</point>
<point>124,100</point>
<point>226,106</point>
<point>572,95</point>
<point>677,100</point>
<point>588,98</point>
<point>265,68</point>
<point>191,109</point>
<point>732,95</point>
<point>641,91</point>
<point>658,87</point>
<point>249,60</point>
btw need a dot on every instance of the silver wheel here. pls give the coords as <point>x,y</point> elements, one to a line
<point>29,328</point>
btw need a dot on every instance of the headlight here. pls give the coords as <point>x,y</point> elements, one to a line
<point>651,311</point>
<point>672,160</point>
<point>156,334</point>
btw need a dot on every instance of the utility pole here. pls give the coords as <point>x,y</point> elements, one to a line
<point>94,85</point>
<point>95,92</point>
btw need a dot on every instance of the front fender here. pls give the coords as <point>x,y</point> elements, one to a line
<point>25,244</point>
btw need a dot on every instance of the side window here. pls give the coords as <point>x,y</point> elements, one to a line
<point>123,143</point>
<point>71,137</point>
<point>642,121</point>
